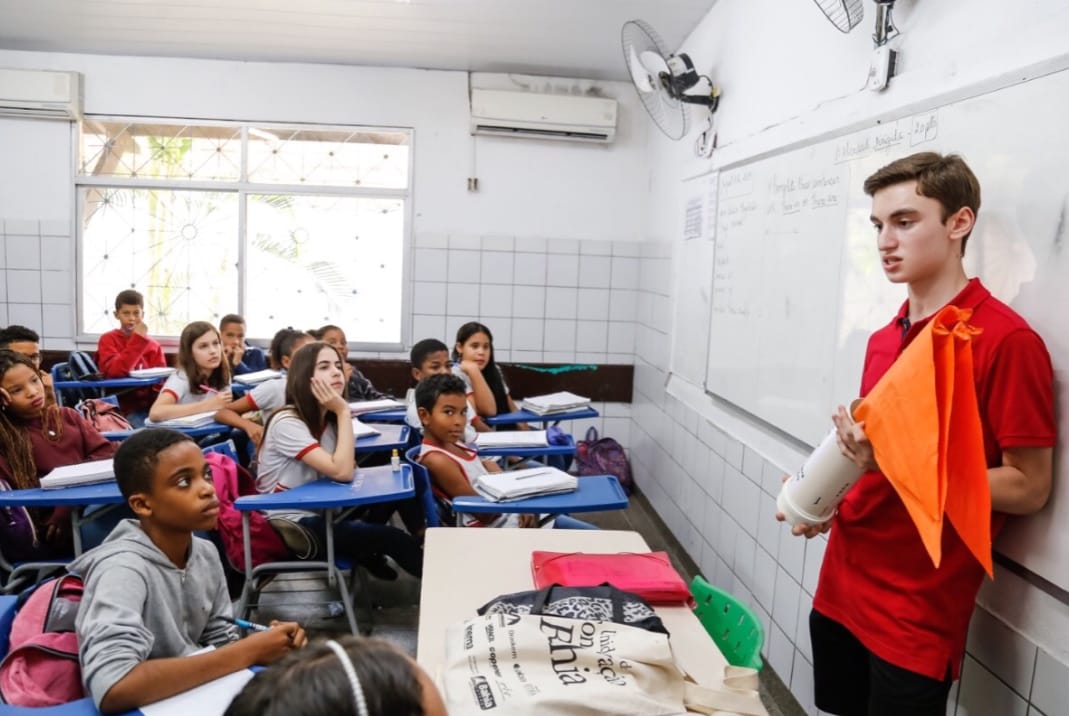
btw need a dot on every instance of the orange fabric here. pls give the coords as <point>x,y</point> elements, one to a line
<point>923,421</point>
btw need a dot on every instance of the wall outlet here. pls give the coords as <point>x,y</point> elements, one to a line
<point>881,68</point>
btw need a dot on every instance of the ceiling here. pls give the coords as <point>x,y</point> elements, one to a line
<point>569,38</point>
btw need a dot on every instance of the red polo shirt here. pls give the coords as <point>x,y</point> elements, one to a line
<point>877,580</point>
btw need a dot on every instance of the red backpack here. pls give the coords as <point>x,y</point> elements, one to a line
<point>103,416</point>
<point>231,482</point>
<point>41,668</point>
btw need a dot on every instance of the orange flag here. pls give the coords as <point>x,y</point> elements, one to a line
<point>923,421</point>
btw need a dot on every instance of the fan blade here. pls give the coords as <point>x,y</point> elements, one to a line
<point>639,75</point>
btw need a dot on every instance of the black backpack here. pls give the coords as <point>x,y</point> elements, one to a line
<point>79,366</point>
<point>82,366</point>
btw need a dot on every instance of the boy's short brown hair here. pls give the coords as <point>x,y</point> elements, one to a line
<point>129,297</point>
<point>945,178</point>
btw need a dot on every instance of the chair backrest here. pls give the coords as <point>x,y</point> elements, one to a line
<point>422,478</point>
<point>732,625</point>
<point>224,448</point>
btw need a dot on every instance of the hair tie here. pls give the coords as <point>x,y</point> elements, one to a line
<point>354,681</point>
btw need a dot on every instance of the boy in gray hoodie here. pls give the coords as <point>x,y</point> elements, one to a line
<point>154,593</point>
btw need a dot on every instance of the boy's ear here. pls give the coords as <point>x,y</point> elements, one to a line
<point>140,504</point>
<point>416,374</point>
<point>424,415</point>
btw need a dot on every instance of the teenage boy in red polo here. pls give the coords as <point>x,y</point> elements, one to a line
<point>888,629</point>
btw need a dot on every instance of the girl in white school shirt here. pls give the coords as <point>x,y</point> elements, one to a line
<point>202,381</point>
<point>312,435</point>
<point>475,365</point>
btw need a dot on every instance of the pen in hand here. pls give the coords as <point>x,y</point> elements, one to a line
<point>244,624</point>
<point>207,388</point>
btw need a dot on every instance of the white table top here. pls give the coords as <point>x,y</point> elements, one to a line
<point>463,568</point>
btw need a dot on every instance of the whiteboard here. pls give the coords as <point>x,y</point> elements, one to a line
<point>691,278</point>
<point>798,287</point>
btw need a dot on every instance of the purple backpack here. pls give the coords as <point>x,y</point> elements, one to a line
<point>17,531</point>
<point>603,456</point>
<point>41,668</point>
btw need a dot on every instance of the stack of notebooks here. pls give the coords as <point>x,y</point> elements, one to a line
<point>86,473</point>
<point>562,402</point>
<point>257,377</point>
<point>521,484</point>
<point>151,372</point>
<point>373,406</point>
<point>511,439</point>
<point>196,420</point>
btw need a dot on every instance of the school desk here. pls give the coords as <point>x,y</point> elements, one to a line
<point>200,431</point>
<point>526,416</point>
<point>594,493</point>
<point>394,415</point>
<point>390,437</point>
<point>370,485</point>
<point>104,493</point>
<point>540,451</point>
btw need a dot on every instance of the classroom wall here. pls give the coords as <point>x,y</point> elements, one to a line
<point>788,76</point>
<point>545,253</point>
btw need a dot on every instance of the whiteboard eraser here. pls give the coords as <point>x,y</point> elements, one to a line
<point>881,69</point>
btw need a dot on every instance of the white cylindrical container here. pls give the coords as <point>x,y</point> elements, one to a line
<point>811,495</point>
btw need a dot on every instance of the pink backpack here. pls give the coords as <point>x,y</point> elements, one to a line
<point>41,668</point>
<point>103,416</point>
<point>231,482</point>
<point>603,456</point>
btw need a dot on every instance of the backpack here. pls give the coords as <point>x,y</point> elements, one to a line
<point>82,366</point>
<point>231,482</point>
<point>103,416</point>
<point>603,456</point>
<point>41,668</point>
<point>18,534</point>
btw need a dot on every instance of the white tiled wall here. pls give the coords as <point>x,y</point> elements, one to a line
<point>717,495</point>
<point>37,279</point>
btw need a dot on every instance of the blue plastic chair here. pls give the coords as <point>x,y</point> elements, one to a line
<point>422,478</point>
<point>226,447</point>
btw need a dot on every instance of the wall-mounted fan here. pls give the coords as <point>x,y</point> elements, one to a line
<point>666,83</point>
<point>844,14</point>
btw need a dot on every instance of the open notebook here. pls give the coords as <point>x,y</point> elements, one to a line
<point>521,484</point>
<point>360,407</point>
<point>512,438</point>
<point>554,403</point>
<point>85,473</point>
<point>210,699</point>
<point>196,420</point>
<point>256,377</point>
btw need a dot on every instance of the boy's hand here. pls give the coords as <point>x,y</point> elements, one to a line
<point>255,433</point>
<point>329,398</point>
<point>234,354</point>
<point>141,328</point>
<point>852,441</point>
<point>271,645</point>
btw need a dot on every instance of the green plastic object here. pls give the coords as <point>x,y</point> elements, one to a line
<point>733,626</point>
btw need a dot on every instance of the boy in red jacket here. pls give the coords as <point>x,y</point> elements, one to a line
<point>128,348</point>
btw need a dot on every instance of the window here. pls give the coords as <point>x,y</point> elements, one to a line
<point>289,226</point>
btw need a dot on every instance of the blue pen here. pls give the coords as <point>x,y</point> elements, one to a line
<point>244,624</point>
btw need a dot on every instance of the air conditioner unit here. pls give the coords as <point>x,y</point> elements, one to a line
<point>543,116</point>
<point>40,94</point>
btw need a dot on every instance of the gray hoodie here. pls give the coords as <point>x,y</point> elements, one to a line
<point>138,605</point>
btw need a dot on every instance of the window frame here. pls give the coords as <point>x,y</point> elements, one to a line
<point>243,188</point>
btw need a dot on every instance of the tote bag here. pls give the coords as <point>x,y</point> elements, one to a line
<point>526,665</point>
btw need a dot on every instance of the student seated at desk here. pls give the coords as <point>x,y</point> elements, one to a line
<point>26,341</point>
<point>473,354</point>
<point>346,671</point>
<point>35,438</point>
<point>154,593</point>
<point>431,357</point>
<point>241,357</point>
<point>128,348</point>
<point>442,404</point>
<point>312,435</point>
<point>202,381</point>
<point>359,387</point>
<point>270,394</point>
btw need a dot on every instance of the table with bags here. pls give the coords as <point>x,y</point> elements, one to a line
<point>564,650</point>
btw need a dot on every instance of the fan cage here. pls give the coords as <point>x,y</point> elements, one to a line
<point>844,14</point>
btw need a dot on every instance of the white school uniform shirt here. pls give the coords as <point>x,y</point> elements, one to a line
<point>459,372</point>
<point>177,384</point>
<point>472,467</point>
<point>286,441</point>
<point>412,417</point>
<point>268,395</point>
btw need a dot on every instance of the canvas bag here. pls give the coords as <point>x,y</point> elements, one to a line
<point>603,456</point>
<point>554,666</point>
<point>103,416</point>
<point>603,603</point>
<point>41,668</point>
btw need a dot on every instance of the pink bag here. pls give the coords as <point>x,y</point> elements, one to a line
<point>42,669</point>
<point>231,482</point>
<point>650,575</point>
<point>103,416</point>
